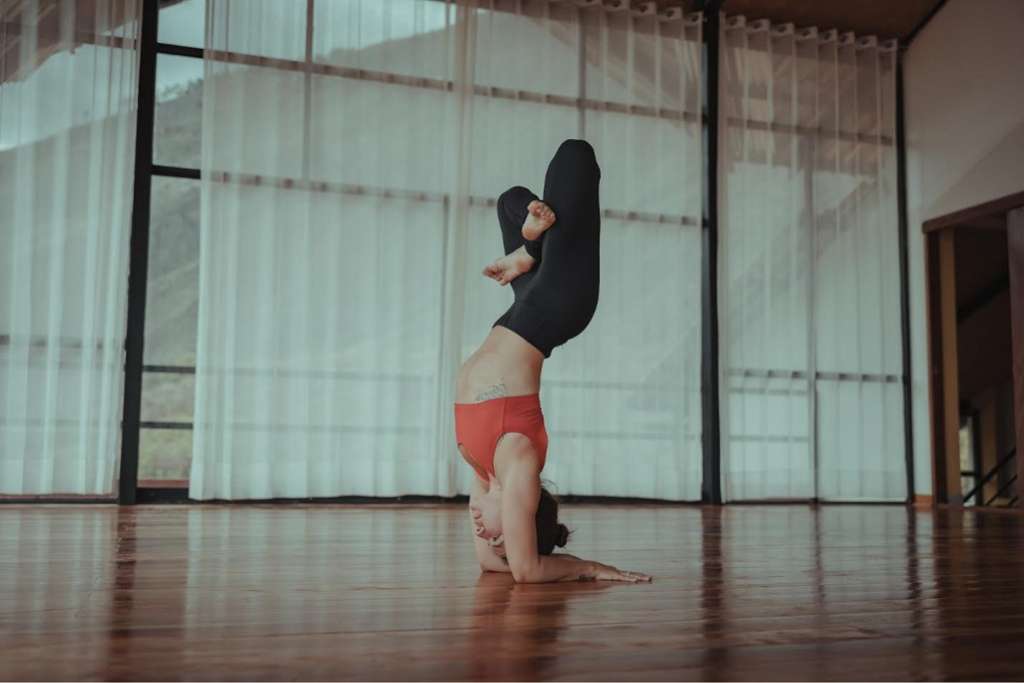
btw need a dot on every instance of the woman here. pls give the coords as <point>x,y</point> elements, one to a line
<point>551,261</point>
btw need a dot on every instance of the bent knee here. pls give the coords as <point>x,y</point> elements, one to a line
<point>579,149</point>
<point>576,156</point>
<point>517,195</point>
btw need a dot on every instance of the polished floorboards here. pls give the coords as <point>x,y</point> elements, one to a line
<point>393,593</point>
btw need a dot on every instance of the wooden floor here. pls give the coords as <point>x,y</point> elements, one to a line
<point>370,593</point>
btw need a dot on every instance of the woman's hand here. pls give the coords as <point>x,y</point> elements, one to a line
<point>605,572</point>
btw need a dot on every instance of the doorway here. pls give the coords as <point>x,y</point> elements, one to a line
<point>975,270</point>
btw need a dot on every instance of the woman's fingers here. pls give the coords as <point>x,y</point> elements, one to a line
<point>609,573</point>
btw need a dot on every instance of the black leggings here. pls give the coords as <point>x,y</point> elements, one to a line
<point>555,301</point>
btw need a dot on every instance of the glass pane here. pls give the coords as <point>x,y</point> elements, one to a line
<point>165,454</point>
<point>966,449</point>
<point>405,37</point>
<point>966,484</point>
<point>254,121</point>
<point>264,28</point>
<point>172,291</point>
<point>167,397</point>
<point>177,132</point>
<point>183,23</point>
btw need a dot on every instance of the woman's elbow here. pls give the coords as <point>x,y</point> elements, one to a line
<point>525,573</point>
<point>523,577</point>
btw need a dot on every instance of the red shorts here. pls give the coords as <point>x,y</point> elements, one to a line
<point>478,426</point>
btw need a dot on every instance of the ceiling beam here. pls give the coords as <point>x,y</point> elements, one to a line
<point>909,38</point>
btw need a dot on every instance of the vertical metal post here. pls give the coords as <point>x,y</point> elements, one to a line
<point>810,156</point>
<point>307,95</point>
<point>138,264</point>
<point>901,200</point>
<point>711,486</point>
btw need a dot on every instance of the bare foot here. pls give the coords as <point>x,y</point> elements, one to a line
<point>539,218</point>
<point>507,268</point>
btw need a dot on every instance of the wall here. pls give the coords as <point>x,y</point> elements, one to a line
<point>964,103</point>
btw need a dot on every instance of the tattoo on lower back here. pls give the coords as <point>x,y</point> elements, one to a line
<point>496,391</point>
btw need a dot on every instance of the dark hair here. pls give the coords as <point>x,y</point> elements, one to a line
<point>549,532</point>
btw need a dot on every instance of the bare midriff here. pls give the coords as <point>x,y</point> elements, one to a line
<point>504,365</point>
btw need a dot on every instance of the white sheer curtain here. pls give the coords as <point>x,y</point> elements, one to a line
<point>322,238</point>
<point>68,79</point>
<point>350,170</point>
<point>809,278</point>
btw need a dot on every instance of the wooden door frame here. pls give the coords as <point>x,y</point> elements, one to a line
<point>1015,254</point>
<point>943,389</point>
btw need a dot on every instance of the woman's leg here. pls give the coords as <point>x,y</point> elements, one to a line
<point>567,280</point>
<point>511,215</point>
<point>556,300</point>
<point>571,188</point>
<point>512,212</point>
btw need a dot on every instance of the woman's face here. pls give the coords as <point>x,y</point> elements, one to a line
<point>486,510</point>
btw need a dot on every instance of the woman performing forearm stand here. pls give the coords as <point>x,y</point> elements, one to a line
<point>552,263</point>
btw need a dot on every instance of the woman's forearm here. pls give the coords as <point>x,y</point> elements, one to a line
<point>552,568</point>
<point>565,567</point>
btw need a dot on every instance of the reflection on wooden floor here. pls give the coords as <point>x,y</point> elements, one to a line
<point>370,593</point>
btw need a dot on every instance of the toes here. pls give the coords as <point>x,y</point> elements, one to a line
<point>545,213</point>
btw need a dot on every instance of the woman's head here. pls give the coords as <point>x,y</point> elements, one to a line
<point>550,532</point>
<point>486,509</point>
